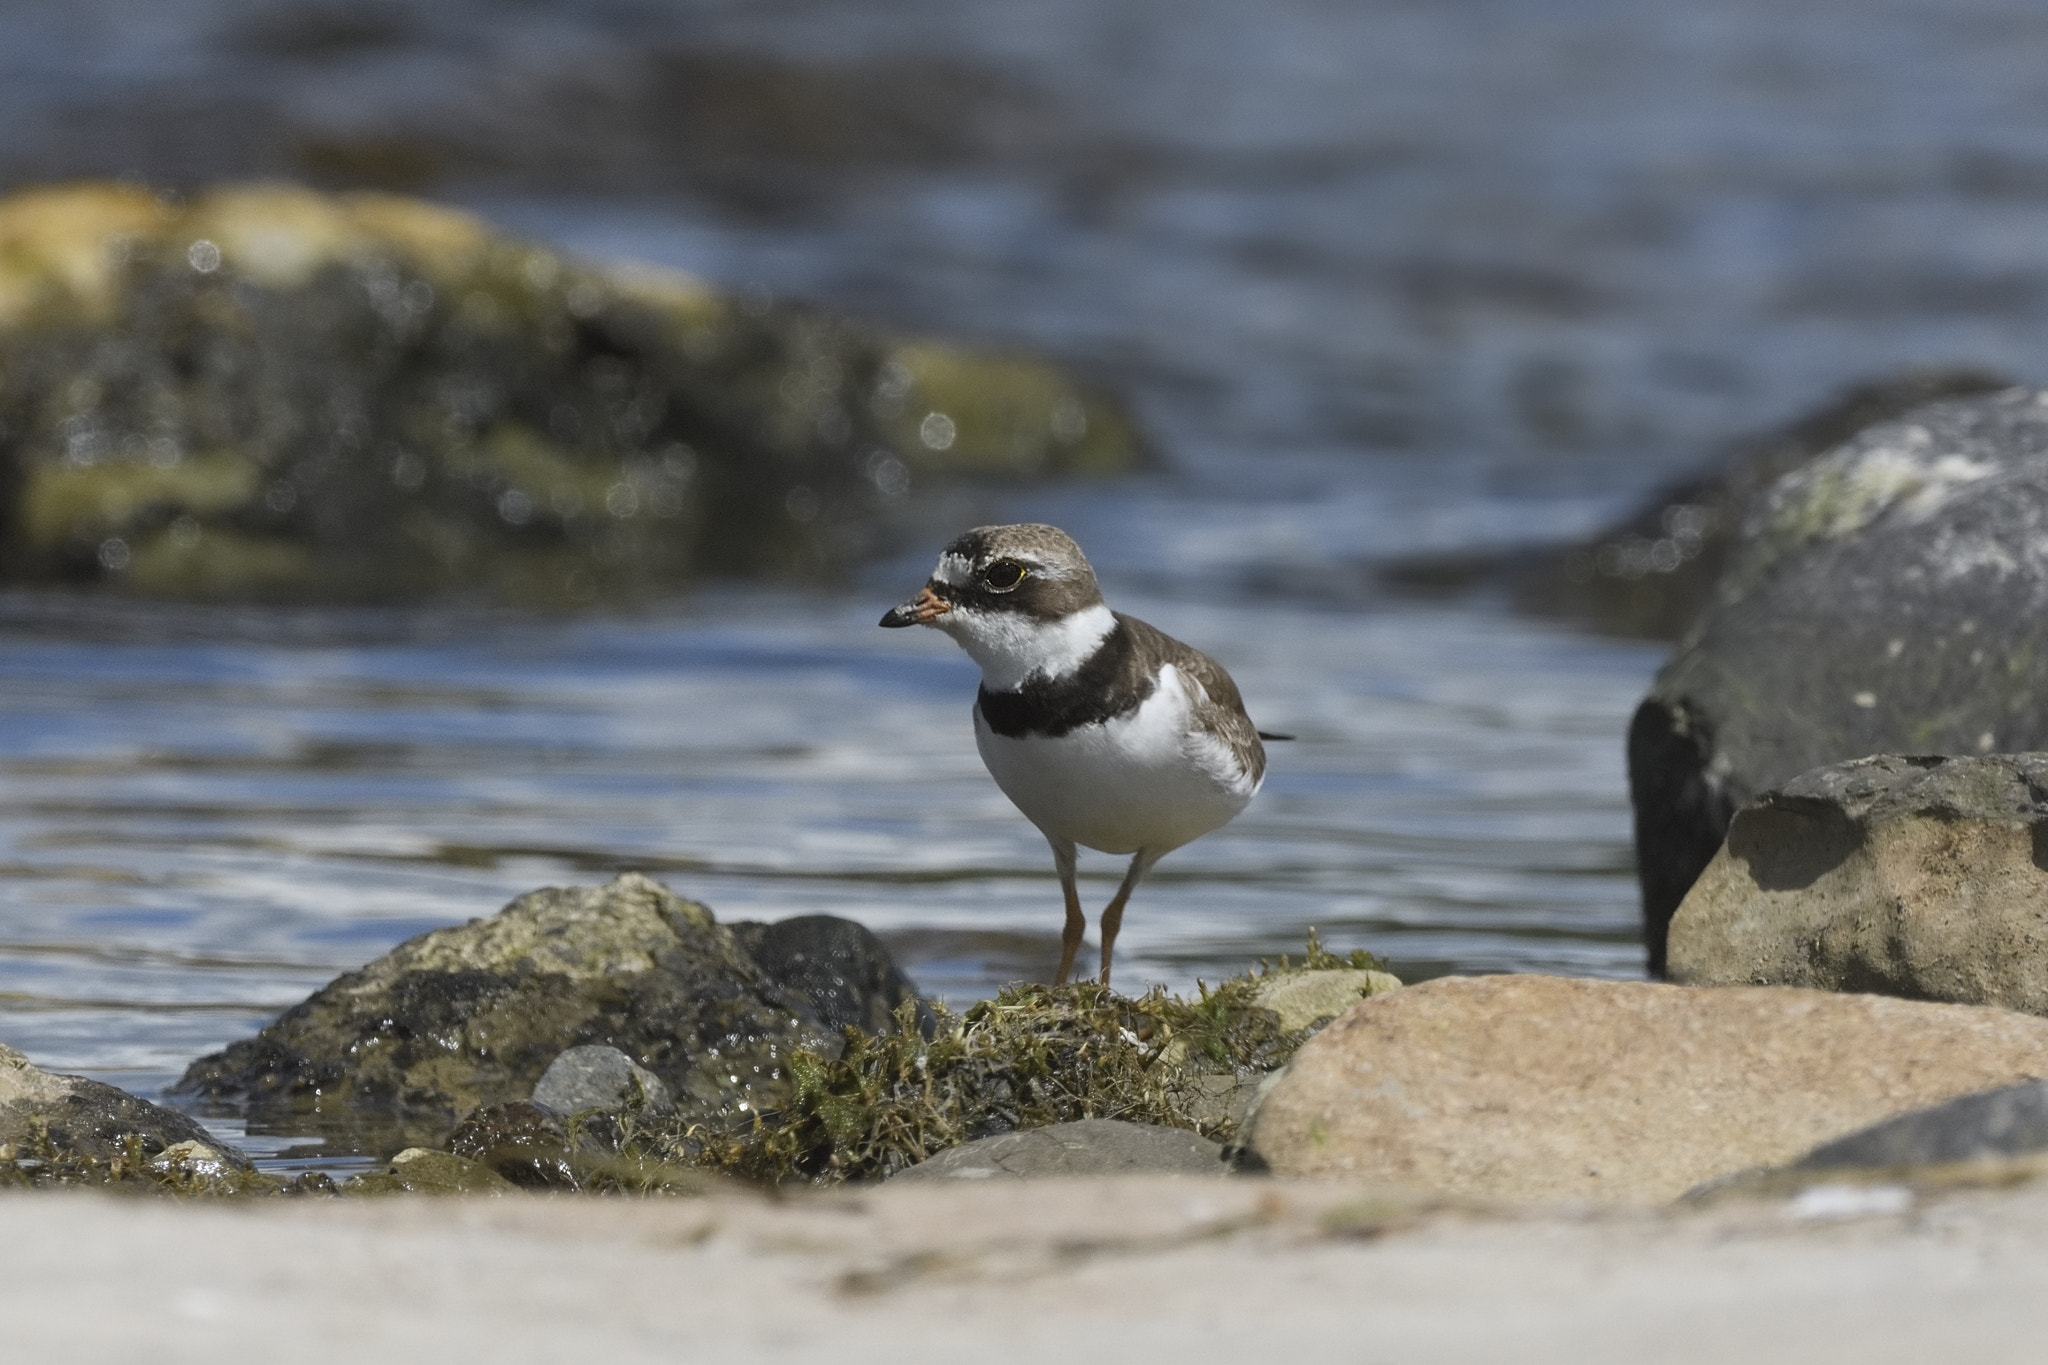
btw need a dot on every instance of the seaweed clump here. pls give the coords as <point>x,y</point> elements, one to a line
<point>1031,1057</point>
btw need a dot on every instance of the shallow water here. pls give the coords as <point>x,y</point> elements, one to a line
<point>1378,277</point>
<point>196,831</point>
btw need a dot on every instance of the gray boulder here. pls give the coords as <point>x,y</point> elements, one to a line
<point>1888,597</point>
<point>1918,877</point>
<point>596,1077</point>
<point>1084,1147</point>
<point>472,1016</point>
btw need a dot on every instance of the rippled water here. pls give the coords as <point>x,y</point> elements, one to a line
<point>1379,277</point>
<point>196,831</point>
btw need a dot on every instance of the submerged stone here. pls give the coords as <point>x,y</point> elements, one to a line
<point>274,393</point>
<point>472,1015</point>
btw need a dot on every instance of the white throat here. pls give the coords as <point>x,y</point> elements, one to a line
<point>1012,648</point>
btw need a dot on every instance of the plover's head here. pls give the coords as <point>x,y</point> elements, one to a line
<point>1021,600</point>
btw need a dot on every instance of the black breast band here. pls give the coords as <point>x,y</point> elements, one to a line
<point>1113,681</point>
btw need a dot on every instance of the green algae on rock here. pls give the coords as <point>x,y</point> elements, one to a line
<point>420,1170</point>
<point>273,393</point>
<point>471,1015</point>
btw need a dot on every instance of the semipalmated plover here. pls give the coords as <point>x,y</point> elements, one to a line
<point>1103,730</point>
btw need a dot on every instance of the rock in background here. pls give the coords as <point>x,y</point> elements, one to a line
<point>1536,1088</point>
<point>272,393</point>
<point>1920,877</point>
<point>1888,597</point>
<point>1651,574</point>
<point>841,968</point>
<point>472,1015</point>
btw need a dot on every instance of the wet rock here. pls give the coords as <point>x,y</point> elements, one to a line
<point>525,1143</point>
<point>1920,877</point>
<point>72,1130</point>
<point>595,1077</point>
<point>271,393</point>
<point>2007,1122</point>
<point>841,968</point>
<point>1306,999</point>
<point>1652,573</point>
<point>472,1015</point>
<point>1085,1147</point>
<point>1535,1088</point>
<point>1888,597</point>
<point>418,1170</point>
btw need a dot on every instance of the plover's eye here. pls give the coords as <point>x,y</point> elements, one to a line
<point>1003,575</point>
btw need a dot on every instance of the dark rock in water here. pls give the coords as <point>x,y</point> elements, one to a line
<point>2011,1121</point>
<point>841,968</point>
<point>1919,877</point>
<point>473,1014</point>
<point>1652,573</point>
<point>527,1144</point>
<point>56,1127</point>
<point>1888,597</point>
<point>602,1078</point>
<point>1085,1147</point>
<point>277,394</point>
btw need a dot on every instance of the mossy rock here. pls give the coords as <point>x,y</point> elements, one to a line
<point>1033,1057</point>
<point>273,393</point>
<point>421,1170</point>
<point>469,1016</point>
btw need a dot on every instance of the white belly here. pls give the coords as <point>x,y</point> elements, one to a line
<point>1139,781</point>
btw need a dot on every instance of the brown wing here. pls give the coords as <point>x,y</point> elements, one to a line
<point>1222,715</point>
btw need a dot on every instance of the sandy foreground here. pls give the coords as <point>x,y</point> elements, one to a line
<point>1137,1268</point>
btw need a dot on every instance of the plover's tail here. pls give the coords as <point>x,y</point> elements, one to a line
<point>1267,734</point>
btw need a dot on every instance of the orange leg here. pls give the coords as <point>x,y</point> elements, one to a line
<point>1077,923</point>
<point>1113,913</point>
